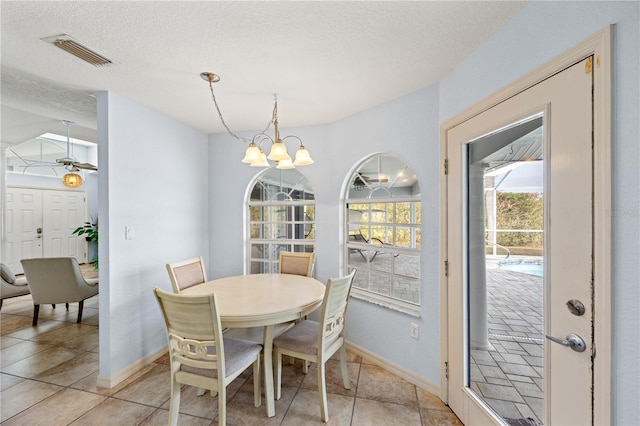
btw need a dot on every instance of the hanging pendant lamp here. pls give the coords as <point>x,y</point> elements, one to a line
<point>254,155</point>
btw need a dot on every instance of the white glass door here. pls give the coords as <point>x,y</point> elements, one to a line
<point>519,374</point>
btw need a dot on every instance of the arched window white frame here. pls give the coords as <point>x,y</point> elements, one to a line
<point>280,217</point>
<point>383,233</point>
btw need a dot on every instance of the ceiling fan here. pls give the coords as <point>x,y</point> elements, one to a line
<point>361,181</point>
<point>69,163</point>
<point>361,178</point>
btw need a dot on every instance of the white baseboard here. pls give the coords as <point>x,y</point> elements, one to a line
<point>421,382</point>
<point>407,375</point>
<point>111,381</point>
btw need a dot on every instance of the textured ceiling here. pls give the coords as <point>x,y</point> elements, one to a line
<point>325,60</point>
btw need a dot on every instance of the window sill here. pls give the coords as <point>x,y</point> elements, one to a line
<point>386,302</point>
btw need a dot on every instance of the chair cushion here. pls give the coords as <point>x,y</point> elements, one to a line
<point>20,281</point>
<point>92,281</point>
<point>7,274</point>
<point>303,338</point>
<point>238,354</point>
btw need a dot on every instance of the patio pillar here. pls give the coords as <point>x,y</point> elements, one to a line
<point>478,317</point>
<point>490,200</point>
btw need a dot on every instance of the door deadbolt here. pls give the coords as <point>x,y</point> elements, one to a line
<point>576,307</point>
<point>572,341</point>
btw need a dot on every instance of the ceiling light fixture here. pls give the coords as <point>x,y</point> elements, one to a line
<point>254,155</point>
<point>71,179</point>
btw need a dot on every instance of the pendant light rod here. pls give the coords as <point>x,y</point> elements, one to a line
<point>68,124</point>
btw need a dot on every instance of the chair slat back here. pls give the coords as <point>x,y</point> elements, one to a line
<point>194,353</point>
<point>334,309</point>
<point>296,263</point>
<point>187,273</point>
<point>193,325</point>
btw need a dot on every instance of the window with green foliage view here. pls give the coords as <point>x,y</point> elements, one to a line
<point>383,233</point>
<point>281,213</point>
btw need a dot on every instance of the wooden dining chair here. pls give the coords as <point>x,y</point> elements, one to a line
<point>200,356</point>
<point>187,273</point>
<point>317,341</point>
<point>296,263</point>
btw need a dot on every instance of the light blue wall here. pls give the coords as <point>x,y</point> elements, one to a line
<point>153,177</point>
<point>406,128</point>
<point>541,31</point>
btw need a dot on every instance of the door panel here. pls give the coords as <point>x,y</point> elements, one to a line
<point>65,212</point>
<point>24,212</point>
<point>569,243</point>
<point>565,102</point>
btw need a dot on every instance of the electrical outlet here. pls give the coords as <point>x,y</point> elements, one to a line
<point>414,331</point>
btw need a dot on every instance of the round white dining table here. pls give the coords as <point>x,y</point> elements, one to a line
<point>257,300</point>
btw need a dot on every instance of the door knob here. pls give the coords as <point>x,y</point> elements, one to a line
<point>39,232</point>
<point>572,341</point>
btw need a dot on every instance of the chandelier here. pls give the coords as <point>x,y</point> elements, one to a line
<point>255,155</point>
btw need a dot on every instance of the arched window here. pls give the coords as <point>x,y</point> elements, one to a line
<point>383,233</point>
<point>281,217</point>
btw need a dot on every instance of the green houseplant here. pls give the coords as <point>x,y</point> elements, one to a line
<point>90,231</point>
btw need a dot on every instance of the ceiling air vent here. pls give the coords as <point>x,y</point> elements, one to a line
<point>70,45</point>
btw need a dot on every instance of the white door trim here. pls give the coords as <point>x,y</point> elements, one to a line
<point>598,45</point>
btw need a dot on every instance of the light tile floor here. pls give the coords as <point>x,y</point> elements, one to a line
<point>48,376</point>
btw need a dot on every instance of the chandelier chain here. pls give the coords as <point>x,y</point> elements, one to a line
<point>274,116</point>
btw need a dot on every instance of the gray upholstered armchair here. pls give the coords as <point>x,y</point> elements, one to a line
<point>11,286</point>
<point>57,280</point>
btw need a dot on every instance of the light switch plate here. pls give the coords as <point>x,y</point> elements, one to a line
<point>128,232</point>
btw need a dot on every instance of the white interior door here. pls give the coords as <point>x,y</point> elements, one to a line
<point>565,103</point>
<point>24,226</point>
<point>40,223</point>
<point>63,211</point>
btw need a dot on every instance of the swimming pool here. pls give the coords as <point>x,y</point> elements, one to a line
<point>531,267</point>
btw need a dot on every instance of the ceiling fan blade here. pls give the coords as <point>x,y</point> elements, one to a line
<point>372,180</point>
<point>65,161</point>
<point>86,166</point>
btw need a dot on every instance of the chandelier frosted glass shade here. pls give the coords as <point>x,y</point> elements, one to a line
<point>285,164</point>
<point>278,151</point>
<point>252,154</point>
<point>72,180</point>
<point>302,157</point>
<point>261,161</point>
